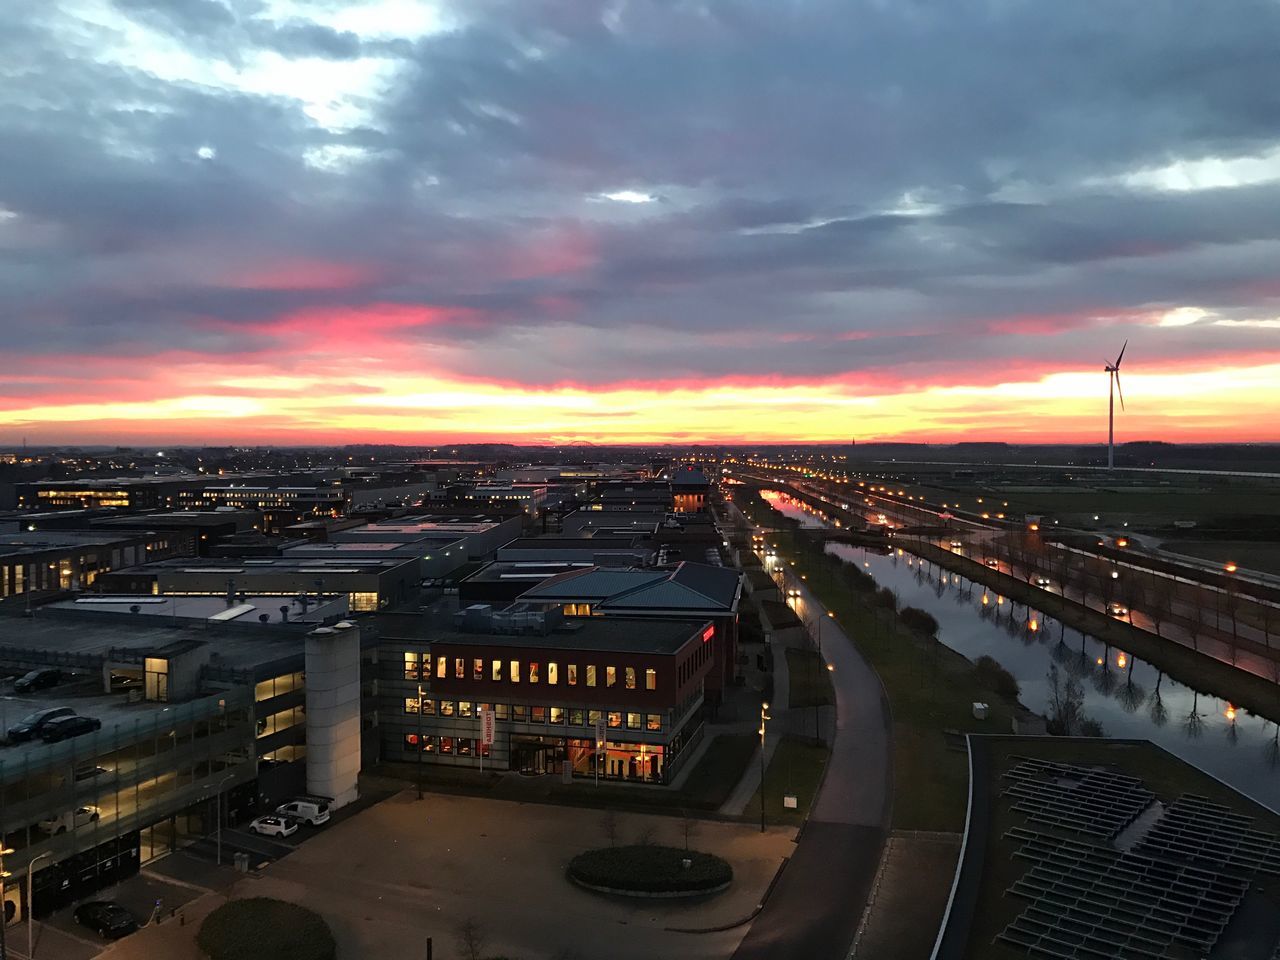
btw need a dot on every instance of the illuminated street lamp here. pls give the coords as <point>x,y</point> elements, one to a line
<point>764,720</point>
<point>4,875</point>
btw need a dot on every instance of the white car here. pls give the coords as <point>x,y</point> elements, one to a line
<point>70,820</point>
<point>273,825</point>
<point>1042,581</point>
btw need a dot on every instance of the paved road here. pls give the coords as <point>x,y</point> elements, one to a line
<point>816,907</point>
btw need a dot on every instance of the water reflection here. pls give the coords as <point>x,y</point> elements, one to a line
<point>1127,695</point>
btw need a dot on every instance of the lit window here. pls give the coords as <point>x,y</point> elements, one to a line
<point>442,667</point>
<point>515,671</point>
<point>577,716</point>
<point>653,722</point>
<point>615,718</point>
<point>610,676</point>
<point>537,714</point>
<point>446,744</point>
<point>410,704</point>
<point>557,714</point>
<point>426,666</point>
<point>464,708</point>
<point>429,707</point>
<point>631,678</point>
<point>501,711</point>
<point>591,675</point>
<point>459,668</point>
<point>410,666</point>
<point>477,669</point>
<point>573,674</point>
<point>633,721</point>
<point>533,671</point>
<point>593,717</point>
<point>553,673</point>
<point>447,708</point>
<point>495,670</point>
<point>651,679</point>
<point>519,713</point>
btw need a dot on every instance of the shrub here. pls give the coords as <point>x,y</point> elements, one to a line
<point>919,622</point>
<point>650,869</point>
<point>261,928</point>
<point>991,675</point>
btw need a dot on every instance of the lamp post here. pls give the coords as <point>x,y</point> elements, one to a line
<point>218,810</point>
<point>4,918</point>
<point>31,912</point>
<point>764,720</point>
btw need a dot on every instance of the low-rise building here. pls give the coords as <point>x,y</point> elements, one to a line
<point>552,684</point>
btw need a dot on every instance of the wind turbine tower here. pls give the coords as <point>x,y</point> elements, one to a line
<point>1113,371</point>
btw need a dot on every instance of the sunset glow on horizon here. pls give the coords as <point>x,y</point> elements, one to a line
<point>425,221</point>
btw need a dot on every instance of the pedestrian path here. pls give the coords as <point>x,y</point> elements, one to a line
<point>774,731</point>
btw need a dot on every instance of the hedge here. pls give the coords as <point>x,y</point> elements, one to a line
<point>261,928</point>
<point>650,869</point>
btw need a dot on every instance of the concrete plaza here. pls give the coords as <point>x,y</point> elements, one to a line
<point>404,870</point>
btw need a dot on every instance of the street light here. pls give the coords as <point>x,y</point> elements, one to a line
<point>764,720</point>
<point>217,800</point>
<point>31,913</point>
<point>4,919</point>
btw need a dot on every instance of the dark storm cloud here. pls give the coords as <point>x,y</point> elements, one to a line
<point>821,169</point>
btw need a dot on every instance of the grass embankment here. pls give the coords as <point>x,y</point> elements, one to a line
<point>931,690</point>
<point>810,683</point>
<point>795,770</point>
<point>1250,555</point>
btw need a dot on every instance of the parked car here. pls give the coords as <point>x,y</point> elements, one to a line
<point>40,679</point>
<point>1042,581</point>
<point>993,563</point>
<point>1117,609</point>
<point>312,811</point>
<point>88,773</point>
<point>956,543</point>
<point>106,918</point>
<point>33,724</point>
<point>64,728</point>
<point>70,820</point>
<point>274,825</point>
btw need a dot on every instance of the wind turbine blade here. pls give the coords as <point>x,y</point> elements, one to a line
<point>1118,390</point>
<point>1121,357</point>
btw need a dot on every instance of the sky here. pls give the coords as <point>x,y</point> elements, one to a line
<point>544,221</point>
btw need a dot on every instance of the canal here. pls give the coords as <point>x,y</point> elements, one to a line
<point>1128,696</point>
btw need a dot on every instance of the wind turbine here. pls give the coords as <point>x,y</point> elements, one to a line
<point>1113,370</point>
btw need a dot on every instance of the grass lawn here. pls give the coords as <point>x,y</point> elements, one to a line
<point>810,683</point>
<point>795,770</point>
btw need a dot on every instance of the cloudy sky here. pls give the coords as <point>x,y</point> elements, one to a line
<point>548,220</point>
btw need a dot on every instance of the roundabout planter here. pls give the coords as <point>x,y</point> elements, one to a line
<point>262,928</point>
<point>650,871</point>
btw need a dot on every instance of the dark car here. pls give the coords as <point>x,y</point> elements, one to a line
<point>32,725</point>
<point>66,727</point>
<point>38,680</point>
<point>106,918</point>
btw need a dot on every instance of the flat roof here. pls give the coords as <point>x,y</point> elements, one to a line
<point>250,565</point>
<point>69,632</point>
<point>617,634</point>
<point>246,609</point>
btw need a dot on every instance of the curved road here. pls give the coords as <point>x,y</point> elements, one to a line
<point>817,905</point>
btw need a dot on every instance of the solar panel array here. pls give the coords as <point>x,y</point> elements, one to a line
<point>1197,830</point>
<point>1089,800</point>
<point>1091,902</point>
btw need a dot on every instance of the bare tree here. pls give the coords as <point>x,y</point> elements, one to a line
<point>470,938</point>
<point>609,826</point>
<point>688,826</point>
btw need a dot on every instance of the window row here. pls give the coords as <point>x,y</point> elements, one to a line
<point>699,657</point>
<point>522,713</point>
<point>420,667</point>
<point>455,746</point>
